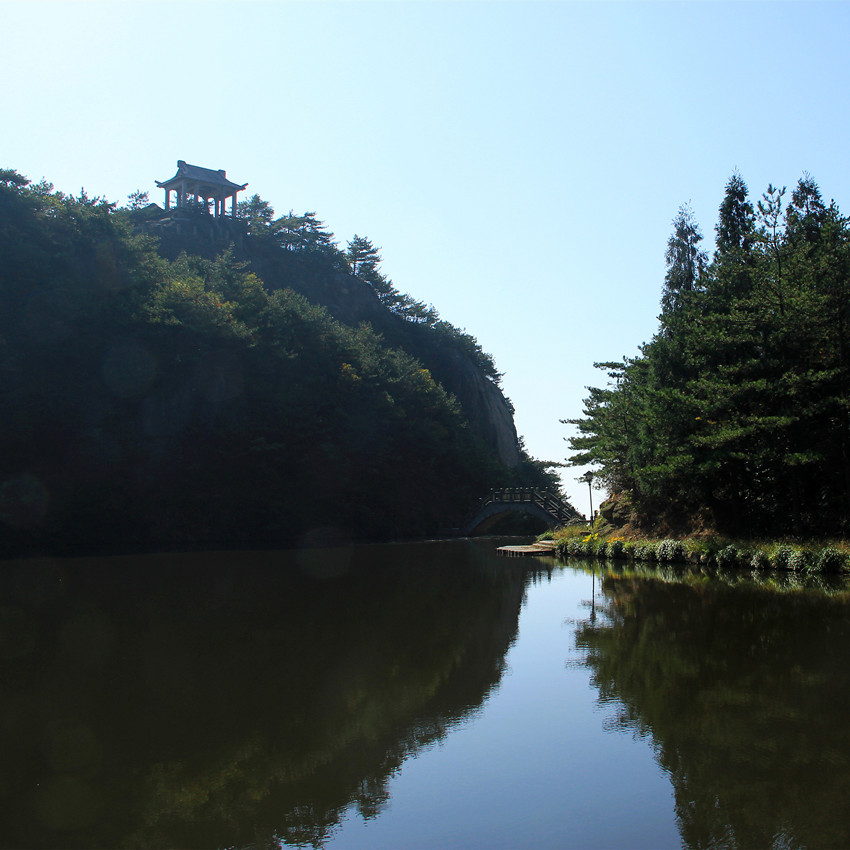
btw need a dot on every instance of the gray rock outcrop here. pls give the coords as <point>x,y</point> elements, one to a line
<point>485,406</point>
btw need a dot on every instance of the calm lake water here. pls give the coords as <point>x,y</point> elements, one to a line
<point>418,696</point>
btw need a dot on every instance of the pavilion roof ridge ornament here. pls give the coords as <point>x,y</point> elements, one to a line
<point>203,185</point>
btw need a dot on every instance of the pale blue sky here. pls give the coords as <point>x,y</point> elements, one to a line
<point>519,163</point>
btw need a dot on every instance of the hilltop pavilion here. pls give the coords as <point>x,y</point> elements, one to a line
<point>201,184</point>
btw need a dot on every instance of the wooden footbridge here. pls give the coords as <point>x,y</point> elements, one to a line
<point>546,506</point>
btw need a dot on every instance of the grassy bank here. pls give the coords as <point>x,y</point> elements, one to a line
<point>816,556</point>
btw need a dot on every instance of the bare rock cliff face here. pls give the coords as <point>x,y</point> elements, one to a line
<point>485,407</point>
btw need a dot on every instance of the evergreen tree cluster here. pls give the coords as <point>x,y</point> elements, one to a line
<point>151,402</point>
<point>304,237</point>
<point>735,415</point>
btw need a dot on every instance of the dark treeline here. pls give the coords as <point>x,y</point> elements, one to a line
<point>734,416</point>
<point>156,401</point>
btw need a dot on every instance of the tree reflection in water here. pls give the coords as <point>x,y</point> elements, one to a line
<point>233,699</point>
<point>744,689</point>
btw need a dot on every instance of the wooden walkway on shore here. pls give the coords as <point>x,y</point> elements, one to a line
<point>542,547</point>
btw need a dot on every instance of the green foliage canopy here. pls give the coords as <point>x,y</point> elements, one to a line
<point>155,402</point>
<point>736,412</point>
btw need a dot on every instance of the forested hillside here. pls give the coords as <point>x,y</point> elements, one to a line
<point>734,417</point>
<point>156,399</point>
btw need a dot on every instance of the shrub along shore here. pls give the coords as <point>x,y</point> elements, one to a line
<point>814,557</point>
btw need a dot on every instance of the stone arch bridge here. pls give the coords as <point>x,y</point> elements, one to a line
<point>551,509</point>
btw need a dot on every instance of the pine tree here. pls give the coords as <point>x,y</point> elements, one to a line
<point>686,264</point>
<point>806,213</point>
<point>302,232</point>
<point>258,214</point>
<point>362,255</point>
<point>740,404</point>
<point>732,271</point>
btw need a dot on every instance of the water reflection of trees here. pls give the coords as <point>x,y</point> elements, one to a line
<point>744,690</point>
<point>226,700</point>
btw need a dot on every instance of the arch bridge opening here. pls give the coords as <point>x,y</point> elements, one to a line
<point>549,509</point>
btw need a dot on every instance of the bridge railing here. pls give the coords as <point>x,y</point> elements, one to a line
<point>531,495</point>
<point>559,511</point>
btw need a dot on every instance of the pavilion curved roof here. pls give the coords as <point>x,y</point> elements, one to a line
<point>195,173</point>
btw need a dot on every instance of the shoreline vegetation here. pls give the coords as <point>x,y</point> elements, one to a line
<point>582,541</point>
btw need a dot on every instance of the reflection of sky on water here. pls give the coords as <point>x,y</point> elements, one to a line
<point>407,696</point>
<point>535,767</point>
